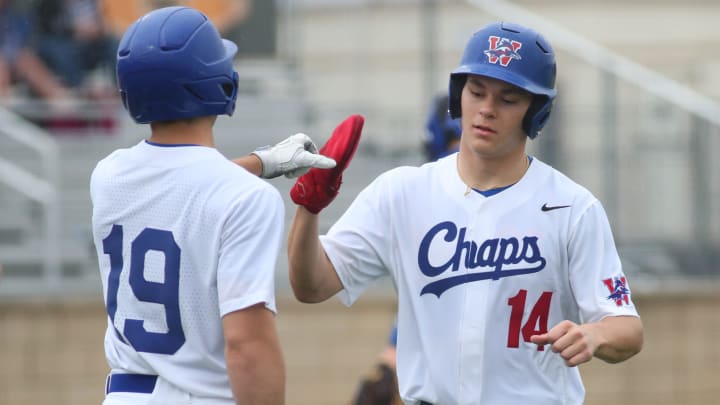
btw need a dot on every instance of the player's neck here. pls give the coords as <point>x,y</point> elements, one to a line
<point>194,132</point>
<point>486,174</point>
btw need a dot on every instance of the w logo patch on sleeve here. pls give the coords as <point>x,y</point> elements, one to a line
<point>617,286</point>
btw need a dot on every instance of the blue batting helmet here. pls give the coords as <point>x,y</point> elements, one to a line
<point>443,132</point>
<point>172,64</point>
<point>516,55</point>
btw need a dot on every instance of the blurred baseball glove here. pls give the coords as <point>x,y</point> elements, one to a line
<point>378,388</point>
<point>317,188</point>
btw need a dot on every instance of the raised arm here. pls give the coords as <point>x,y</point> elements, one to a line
<point>292,157</point>
<point>251,163</point>
<point>312,275</point>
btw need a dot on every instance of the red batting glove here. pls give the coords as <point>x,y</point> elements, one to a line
<point>317,188</point>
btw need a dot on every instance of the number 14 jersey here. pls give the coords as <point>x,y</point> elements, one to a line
<point>476,276</point>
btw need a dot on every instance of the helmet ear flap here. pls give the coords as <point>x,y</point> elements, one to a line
<point>231,91</point>
<point>537,115</point>
<point>124,98</point>
<point>457,82</point>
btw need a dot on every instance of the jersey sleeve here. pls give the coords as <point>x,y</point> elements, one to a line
<point>598,282</point>
<point>250,243</point>
<point>358,243</point>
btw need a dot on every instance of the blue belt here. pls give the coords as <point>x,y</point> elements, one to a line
<point>138,383</point>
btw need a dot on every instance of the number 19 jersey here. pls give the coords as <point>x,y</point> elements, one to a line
<point>183,237</point>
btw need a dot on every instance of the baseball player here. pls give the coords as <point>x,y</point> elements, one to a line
<point>186,239</point>
<point>506,270</point>
<point>442,133</point>
<point>442,137</point>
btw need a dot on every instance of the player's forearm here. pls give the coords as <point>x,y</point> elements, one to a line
<point>251,163</point>
<point>619,337</point>
<point>257,374</point>
<point>312,276</point>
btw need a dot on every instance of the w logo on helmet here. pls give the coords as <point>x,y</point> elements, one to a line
<point>503,50</point>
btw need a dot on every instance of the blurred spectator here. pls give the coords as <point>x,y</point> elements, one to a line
<point>18,61</point>
<point>73,41</point>
<point>225,14</point>
<point>442,132</point>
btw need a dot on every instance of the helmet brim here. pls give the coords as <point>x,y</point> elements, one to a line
<point>230,48</point>
<point>505,75</point>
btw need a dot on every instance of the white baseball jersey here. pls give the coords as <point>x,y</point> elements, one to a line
<point>477,276</point>
<point>183,237</point>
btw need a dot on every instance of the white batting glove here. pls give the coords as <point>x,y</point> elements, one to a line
<point>292,157</point>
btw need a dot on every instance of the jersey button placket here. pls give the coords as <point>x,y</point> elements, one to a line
<point>472,330</point>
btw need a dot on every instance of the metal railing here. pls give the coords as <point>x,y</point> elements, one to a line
<point>646,143</point>
<point>43,190</point>
<point>605,60</point>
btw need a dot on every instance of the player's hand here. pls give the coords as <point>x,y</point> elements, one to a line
<point>316,189</point>
<point>573,342</point>
<point>292,157</point>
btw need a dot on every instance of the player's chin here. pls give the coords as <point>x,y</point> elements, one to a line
<point>482,146</point>
<point>481,138</point>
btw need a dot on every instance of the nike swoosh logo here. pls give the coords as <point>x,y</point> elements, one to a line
<point>545,207</point>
